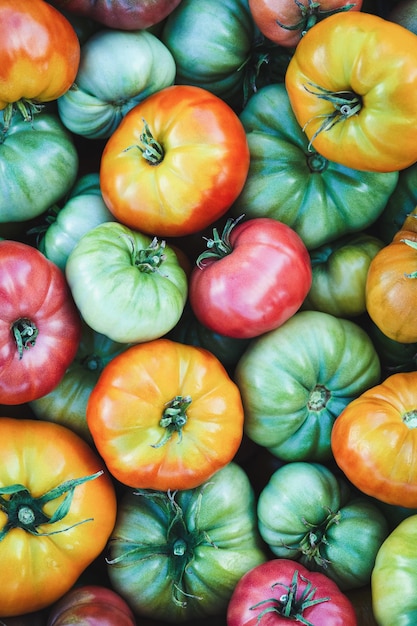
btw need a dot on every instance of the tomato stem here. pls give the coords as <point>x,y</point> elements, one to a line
<point>310,14</point>
<point>174,418</point>
<point>150,259</point>
<point>288,604</point>
<point>219,246</point>
<point>315,537</point>
<point>25,511</point>
<point>25,333</point>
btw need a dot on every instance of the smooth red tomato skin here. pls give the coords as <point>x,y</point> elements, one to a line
<point>91,605</point>
<point>255,586</point>
<point>39,52</point>
<point>258,286</point>
<point>267,14</point>
<point>34,288</point>
<point>203,169</point>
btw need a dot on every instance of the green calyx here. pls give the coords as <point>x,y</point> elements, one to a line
<point>151,150</point>
<point>174,418</point>
<point>410,419</point>
<point>148,260</point>
<point>345,103</point>
<point>315,538</point>
<point>291,604</point>
<point>27,512</point>
<point>25,333</point>
<point>219,246</point>
<point>27,108</point>
<point>310,14</point>
<point>318,398</point>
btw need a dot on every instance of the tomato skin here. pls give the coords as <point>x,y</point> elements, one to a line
<point>131,397</point>
<point>91,605</point>
<point>34,289</point>
<point>377,130</point>
<point>374,437</point>
<point>45,68</point>
<point>273,17</point>
<point>257,286</point>
<point>257,586</point>
<point>204,165</point>
<point>39,568</point>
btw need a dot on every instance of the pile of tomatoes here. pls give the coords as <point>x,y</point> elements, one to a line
<point>208,286</point>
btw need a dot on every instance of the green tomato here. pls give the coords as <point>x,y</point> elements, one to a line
<point>393,581</point>
<point>402,201</point>
<point>181,554</point>
<point>339,271</point>
<point>39,163</point>
<point>126,285</point>
<point>83,210</point>
<point>66,404</point>
<point>118,69</point>
<point>306,514</point>
<point>295,380</point>
<point>321,200</point>
<point>211,41</point>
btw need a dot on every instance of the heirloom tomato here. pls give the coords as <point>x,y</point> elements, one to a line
<point>401,202</point>
<point>286,21</point>
<point>39,324</point>
<point>176,162</point>
<point>178,555</point>
<point>320,199</point>
<point>393,579</point>
<point>165,415</point>
<point>251,279</point>
<point>39,52</point>
<point>91,605</point>
<point>66,404</point>
<point>39,161</point>
<point>339,270</point>
<point>117,70</point>
<point>355,108</point>
<point>391,284</point>
<point>295,380</point>
<point>81,211</point>
<point>374,438</point>
<point>126,286</point>
<point>123,14</point>
<point>281,591</point>
<point>307,513</point>
<point>57,509</point>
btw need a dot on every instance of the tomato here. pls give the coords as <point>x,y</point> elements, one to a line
<point>401,202</point>
<point>91,605</point>
<point>121,14</point>
<point>55,522</point>
<point>66,404</point>
<point>39,324</point>
<point>176,556</point>
<point>251,279</point>
<point>374,437</point>
<point>307,514</point>
<point>391,284</point>
<point>40,163</point>
<point>295,380</point>
<point>165,415</point>
<point>117,70</point>
<point>63,227</point>
<point>352,84</point>
<point>286,21</point>
<point>211,41</point>
<point>320,199</point>
<point>39,52</point>
<point>175,163</point>
<point>281,591</point>
<point>137,284</point>
<point>339,270</point>
<point>394,577</point>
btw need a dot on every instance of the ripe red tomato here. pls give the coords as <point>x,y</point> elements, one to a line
<point>252,278</point>
<point>40,327</point>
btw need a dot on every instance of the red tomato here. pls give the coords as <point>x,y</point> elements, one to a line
<point>91,605</point>
<point>252,278</point>
<point>39,54</point>
<point>176,163</point>
<point>285,21</point>
<point>281,591</point>
<point>40,327</point>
